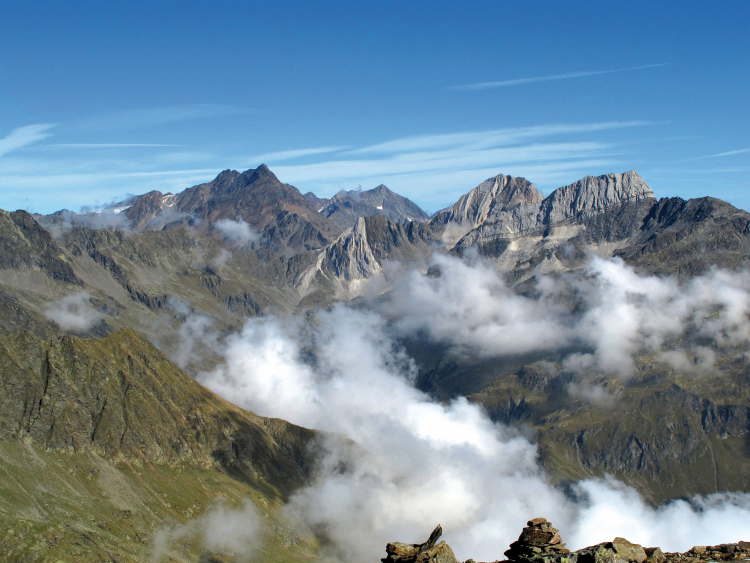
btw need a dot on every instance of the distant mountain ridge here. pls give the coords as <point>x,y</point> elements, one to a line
<point>346,207</point>
<point>505,219</point>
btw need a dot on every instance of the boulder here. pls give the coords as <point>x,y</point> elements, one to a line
<point>629,551</point>
<point>428,552</point>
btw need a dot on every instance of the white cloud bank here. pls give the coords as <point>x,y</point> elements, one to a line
<point>617,313</point>
<point>418,462</point>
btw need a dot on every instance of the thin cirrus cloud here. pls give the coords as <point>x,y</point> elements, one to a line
<point>549,78</point>
<point>26,135</point>
<point>493,137</point>
<point>728,153</point>
<point>282,156</point>
<point>429,168</point>
<point>64,146</point>
<point>147,117</point>
<point>433,170</point>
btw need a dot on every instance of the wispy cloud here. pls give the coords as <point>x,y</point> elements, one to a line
<point>728,153</point>
<point>520,81</point>
<point>147,117</point>
<point>494,137</point>
<point>58,146</point>
<point>281,156</point>
<point>435,169</point>
<point>23,136</point>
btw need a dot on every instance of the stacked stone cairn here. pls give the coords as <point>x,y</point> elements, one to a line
<point>538,539</point>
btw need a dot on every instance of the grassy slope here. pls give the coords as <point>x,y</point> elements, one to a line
<point>81,507</point>
<point>102,442</point>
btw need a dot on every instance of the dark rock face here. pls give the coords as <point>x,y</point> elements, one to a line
<point>24,244</point>
<point>689,237</point>
<point>260,199</point>
<point>15,317</point>
<point>662,436</point>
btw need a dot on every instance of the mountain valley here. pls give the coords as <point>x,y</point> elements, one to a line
<point>108,439</point>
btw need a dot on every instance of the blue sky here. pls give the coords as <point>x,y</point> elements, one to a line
<point>103,99</point>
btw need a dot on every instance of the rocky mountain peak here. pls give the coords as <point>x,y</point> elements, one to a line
<point>351,257</point>
<point>494,195</point>
<point>235,182</point>
<point>505,209</point>
<point>250,176</point>
<point>593,195</point>
<point>346,206</point>
<point>225,178</point>
<point>508,192</point>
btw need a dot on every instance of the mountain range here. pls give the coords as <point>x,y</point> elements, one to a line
<point>97,386</point>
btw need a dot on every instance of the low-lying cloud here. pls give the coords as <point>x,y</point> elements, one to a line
<point>222,528</point>
<point>415,462</point>
<point>59,225</point>
<point>237,232</point>
<point>196,336</point>
<point>608,314</point>
<point>74,312</point>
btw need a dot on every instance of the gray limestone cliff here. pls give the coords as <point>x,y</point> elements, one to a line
<point>575,203</point>
<point>497,196</point>
<point>350,257</point>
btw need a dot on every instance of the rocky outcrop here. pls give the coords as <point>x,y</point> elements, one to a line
<point>493,196</point>
<point>350,257</point>
<point>428,552</point>
<point>591,196</point>
<point>142,210</point>
<point>688,237</point>
<point>540,543</point>
<point>361,250</point>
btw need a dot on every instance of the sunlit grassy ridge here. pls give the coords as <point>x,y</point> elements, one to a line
<point>106,441</point>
